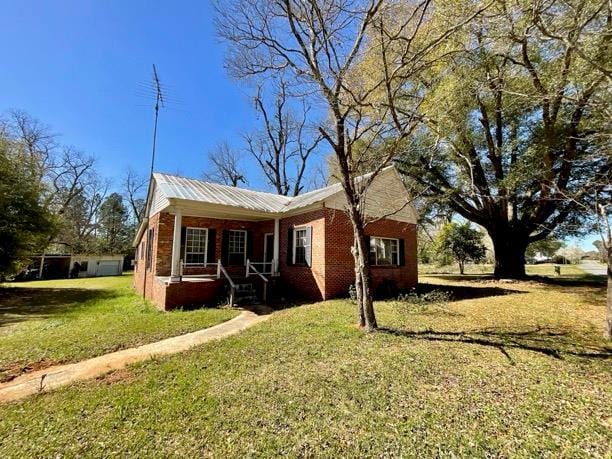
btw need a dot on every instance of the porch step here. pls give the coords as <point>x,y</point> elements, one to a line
<point>245,293</point>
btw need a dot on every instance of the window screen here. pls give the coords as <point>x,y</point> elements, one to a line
<point>196,241</point>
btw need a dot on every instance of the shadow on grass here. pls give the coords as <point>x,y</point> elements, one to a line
<point>552,343</point>
<point>19,304</point>
<point>569,280</point>
<point>465,292</point>
<point>584,280</point>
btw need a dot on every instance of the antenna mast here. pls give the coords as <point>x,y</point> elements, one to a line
<point>159,100</point>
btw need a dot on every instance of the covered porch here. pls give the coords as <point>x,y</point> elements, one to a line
<point>214,246</point>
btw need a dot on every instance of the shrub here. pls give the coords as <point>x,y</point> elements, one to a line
<point>412,301</point>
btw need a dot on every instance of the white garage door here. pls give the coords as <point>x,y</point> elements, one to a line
<point>109,268</point>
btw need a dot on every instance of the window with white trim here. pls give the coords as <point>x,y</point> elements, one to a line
<point>300,245</point>
<point>384,251</point>
<point>236,248</point>
<point>196,244</point>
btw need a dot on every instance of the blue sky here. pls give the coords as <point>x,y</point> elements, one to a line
<point>80,66</point>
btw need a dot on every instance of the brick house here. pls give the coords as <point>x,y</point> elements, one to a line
<point>201,242</point>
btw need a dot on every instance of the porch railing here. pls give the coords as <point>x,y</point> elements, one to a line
<point>251,268</point>
<point>264,267</point>
<point>222,270</point>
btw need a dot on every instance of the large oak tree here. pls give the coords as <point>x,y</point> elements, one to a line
<point>510,119</point>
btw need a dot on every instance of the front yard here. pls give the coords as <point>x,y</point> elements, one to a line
<point>48,322</point>
<point>507,369</point>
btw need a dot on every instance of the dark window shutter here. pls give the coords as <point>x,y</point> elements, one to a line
<point>183,241</point>
<point>249,245</point>
<point>225,248</point>
<point>308,254</point>
<point>290,247</point>
<point>402,257</point>
<point>211,246</point>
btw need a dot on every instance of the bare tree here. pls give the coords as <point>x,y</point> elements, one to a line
<point>35,141</point>
<point>134,187</point>
<point>71,171</point>
<point>320,46</point>
<point>224,166</point>
<point>79,225</point>
<point>284,142</point>
<point>67,177</point>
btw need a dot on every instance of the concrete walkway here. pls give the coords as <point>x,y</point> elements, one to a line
<point>61,375</point>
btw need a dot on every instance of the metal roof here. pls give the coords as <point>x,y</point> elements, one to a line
<point>173,186</point>
<point>197,190</point>
<point>312,197</point>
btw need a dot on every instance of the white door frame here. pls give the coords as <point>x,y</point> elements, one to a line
<point>265,251</point>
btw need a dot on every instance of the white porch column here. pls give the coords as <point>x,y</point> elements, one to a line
<point>276,245</point>
<point>176,246</point>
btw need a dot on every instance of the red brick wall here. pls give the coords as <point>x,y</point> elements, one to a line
<point>339,267</point>
<point>330,275</point>
<point>166,232</point>
<point>192,293</point>
<point>144,281</point>
<point>304,281</point>
<point>167,297</point>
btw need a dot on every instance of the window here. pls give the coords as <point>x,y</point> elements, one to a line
<point>384,251</point>
<point>149,254</point>
<point>83,266</point>
<point>196,242</point>
<point>301,246</point>
<point>236,248</point>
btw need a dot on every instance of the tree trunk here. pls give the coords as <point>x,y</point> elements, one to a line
<point>509,254</point>
<point>609,297</point>
<point>461,268</point>
<point>363,276</point>
<point>358,288</point>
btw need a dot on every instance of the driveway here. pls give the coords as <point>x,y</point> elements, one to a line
<point>594,267</point>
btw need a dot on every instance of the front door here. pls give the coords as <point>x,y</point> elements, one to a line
<point>268,251</point>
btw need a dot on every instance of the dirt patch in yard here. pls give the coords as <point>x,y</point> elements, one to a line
<point>122,375</point>
<point>17,369</point>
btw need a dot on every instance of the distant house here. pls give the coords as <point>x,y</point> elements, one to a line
<point>201,241</point>
<point>57,265</point>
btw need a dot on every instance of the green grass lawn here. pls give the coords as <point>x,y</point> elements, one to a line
<point>47,322</point>
<point>506,369</point>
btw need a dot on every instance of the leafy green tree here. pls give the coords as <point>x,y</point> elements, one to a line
<point>461,243</point>
<point>510,116</point>
<point>25,224</point>
<point>114,227</point>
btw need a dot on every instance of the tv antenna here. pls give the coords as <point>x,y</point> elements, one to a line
<point>159,101</point>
